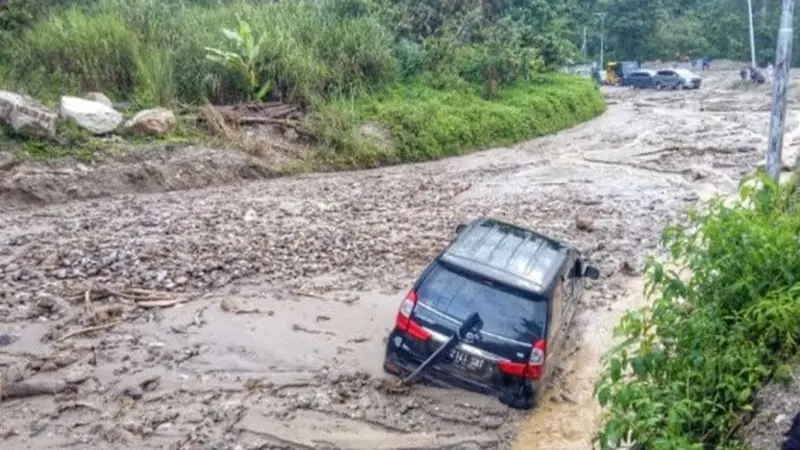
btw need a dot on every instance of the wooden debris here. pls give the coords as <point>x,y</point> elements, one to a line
<point>143,298</point>
<point>30,388</point>
<point>89,330</point>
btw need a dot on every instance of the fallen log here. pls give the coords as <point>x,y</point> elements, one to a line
<point>31,388</point>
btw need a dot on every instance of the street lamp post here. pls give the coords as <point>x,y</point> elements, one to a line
<point>752,34</point>
<point>602,17</point>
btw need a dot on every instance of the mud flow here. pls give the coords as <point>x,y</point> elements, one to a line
<point>253,316</point>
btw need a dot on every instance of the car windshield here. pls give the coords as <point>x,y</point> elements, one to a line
<point>504,311</point>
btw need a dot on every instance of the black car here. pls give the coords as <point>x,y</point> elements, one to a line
<point>640,79</point>
<point>524,287</point>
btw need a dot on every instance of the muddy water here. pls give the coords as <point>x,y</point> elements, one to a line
<point>291,286</point>
<point>569,414</point>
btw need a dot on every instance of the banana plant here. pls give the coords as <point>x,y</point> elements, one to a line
<point>244,58</point>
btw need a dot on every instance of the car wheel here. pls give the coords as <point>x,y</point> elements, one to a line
<point>523,397</point>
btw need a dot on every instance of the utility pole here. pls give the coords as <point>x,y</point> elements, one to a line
<point>583,47</point>
<point>602,17</point>
<point>783,61</point>
<point>752,34</point>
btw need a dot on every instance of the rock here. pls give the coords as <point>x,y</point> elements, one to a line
<point>134,392</point>
<point>697,174</point>
<point>628,269</point>
<point>99,97</point>
<point>7,161</point>
<point>93,116</point>
<point>250,216</point>
<point>6,340</point>
<point>78,375</point>
<point>152,121</point>
<point>26,116</point>
<point>584,223</point>
<point>192,417</point>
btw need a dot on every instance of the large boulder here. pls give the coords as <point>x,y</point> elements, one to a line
<point>99,97</point>
<point>90,115</point>
<point>152,121</point>
<point>26,116</point>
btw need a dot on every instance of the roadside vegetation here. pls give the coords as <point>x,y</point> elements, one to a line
<point>723,323</point>
<point>440,78</point>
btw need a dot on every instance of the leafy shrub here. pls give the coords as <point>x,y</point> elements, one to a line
<point>689,365</point>
<point>244,59</point>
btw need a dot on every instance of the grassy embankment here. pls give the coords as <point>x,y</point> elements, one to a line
<point>687,371</point>
<point>340,59</point>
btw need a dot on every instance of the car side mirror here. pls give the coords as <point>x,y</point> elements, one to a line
<point>591,272</point>
<point>461,227</point>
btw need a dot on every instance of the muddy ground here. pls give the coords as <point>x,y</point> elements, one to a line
<point>286,288</point>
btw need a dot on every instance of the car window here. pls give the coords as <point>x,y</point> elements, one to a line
<point>666,73</point>
<point>505,312</point>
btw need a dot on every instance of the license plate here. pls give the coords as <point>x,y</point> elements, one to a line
<point>466,361</point>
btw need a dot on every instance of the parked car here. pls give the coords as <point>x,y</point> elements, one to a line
<point>676,79</point>
<point>525,288</point>
<point>640,79</point>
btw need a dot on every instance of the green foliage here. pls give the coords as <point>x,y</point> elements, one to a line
<point>689,365</point>
<point>656,29</point>
<point>149,51</point>
<point>426,123</point>
<point>154,51</point>
<point>474,68</point>
<point>244,59</point>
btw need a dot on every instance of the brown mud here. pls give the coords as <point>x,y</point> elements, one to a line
<point>253,315</point>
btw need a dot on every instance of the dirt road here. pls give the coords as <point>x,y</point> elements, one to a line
<point>289,286</point>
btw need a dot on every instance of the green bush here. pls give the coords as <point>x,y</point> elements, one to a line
<point>686,373</point>
<point>426,123</point>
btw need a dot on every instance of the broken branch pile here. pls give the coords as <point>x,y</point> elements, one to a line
<point>277,114</point>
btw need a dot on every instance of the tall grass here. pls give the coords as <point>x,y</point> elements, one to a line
<point>150,51</point>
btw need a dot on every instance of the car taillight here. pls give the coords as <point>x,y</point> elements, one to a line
<point>538,353</point>
<point>533,369</point>
<point>405,323</point>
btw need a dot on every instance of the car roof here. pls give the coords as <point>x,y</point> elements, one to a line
<point>509,254</point>
<point>647,71</point>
